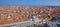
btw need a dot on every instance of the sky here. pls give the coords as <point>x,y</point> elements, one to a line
<point>29,2</point>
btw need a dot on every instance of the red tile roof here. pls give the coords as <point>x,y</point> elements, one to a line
<point>23,13</point>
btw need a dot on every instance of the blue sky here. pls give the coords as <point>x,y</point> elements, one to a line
<point>29,2</point>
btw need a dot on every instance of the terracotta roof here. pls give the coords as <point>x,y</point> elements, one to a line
<point>23,13</point>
